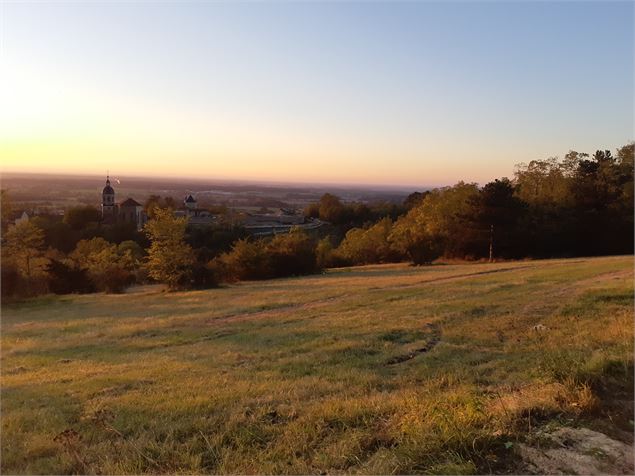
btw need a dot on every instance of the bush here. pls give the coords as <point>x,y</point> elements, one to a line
<point>111,268</point>
<point>204,275</point>
<point>65,279</point>
<point>424,251</point>
<point>366,246</point>
<point>247,260</point>
<point>292,254</point>
<point>114,280</point>
<point>11,280</point>
<point>324,254</point>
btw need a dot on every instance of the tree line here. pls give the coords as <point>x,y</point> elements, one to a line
<point>577,205</point>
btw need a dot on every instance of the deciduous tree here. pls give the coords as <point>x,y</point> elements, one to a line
<point>170,259</point>
<point>24,245</point>
<point>79,218</point>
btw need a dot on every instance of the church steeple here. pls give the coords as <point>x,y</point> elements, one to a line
<point>108,200</point>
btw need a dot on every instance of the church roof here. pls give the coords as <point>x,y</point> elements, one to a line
<point>190,199</point>
<point>130,203</point>
<point>108,190</point>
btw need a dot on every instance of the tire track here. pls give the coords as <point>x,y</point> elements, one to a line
<point>433,339</point>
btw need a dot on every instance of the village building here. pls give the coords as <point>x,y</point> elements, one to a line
<point>281,217</point>
<point>282,221</point>
<point>24,217</point>
<point>131,211</point>
<point>195,216</point>
<point>258,224</point>
<point>128,211</point>
<point>21,216</point>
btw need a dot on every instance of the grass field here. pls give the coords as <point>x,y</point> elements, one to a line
<point>378,369</point>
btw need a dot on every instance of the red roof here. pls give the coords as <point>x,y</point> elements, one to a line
<point>130,203</point>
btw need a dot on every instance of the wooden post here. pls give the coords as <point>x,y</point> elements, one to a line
<point>491,243</point>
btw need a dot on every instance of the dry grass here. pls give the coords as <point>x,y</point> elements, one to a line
<point>378,369</point>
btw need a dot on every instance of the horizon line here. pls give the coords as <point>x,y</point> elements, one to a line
<point>237,181</point>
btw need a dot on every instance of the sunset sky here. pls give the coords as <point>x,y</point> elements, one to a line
<point>369,93</point>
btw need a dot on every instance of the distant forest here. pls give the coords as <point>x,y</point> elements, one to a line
<point>578,205</point>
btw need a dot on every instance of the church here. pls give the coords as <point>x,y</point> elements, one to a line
<point>131,211</point>
<point>128,211</point>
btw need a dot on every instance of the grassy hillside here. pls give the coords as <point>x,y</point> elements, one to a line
<point>378,369</point>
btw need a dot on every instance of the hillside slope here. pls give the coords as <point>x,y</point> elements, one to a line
<point>378,369</point>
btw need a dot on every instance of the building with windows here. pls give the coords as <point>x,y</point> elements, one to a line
<point>128,211</point>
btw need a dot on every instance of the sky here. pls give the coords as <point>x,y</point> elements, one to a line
<point>407,93</point>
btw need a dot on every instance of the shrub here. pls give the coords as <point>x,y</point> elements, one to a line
<point>292,254</point>
<point>10,279</point>
<point>65,278</point>
<point>246,260</point>
<point>204,275</point>
<point>324,254</point>
<point>111,268</point>
<point>366,246</point>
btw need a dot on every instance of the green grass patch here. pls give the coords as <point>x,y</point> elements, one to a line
<point>375,370</point>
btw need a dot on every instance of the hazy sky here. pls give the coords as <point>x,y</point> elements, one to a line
<point>413,93</point>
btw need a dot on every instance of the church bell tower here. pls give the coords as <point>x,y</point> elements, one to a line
<point>108,210</point>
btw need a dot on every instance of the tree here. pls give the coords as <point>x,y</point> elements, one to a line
<point>24,244</point>
<point>57,234</point>
<point>312,210</point>
<point>169,202</point>
<point>216,239</point>
<point>170,259</point>
<point>415,199</point>
<point>66,278</point>
<point>79,218</point>
<point>625,163</point>
<point>109,267</point>
<point>324,257</point>
<point>291,254</point>
<point>120,232</point>
<point>155,202</point>
<point>246,260</point>
<point>150,204</point>
<point>10,279</point>
<point>547,182</point>
<point>24,262</point>
<point>111,271</point>
<point>365,246</point>
<point>87,248</point>
<point>411,239</point>
<point>496,210</point>
<point>331,209</point>
<point>548,225</point>
<point>6,208</point>
<point>135,251</point>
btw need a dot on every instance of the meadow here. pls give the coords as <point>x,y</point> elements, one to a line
<point>378,369</point>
